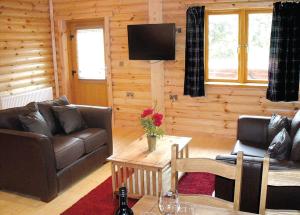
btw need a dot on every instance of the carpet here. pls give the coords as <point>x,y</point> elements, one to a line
<point>99,201</point>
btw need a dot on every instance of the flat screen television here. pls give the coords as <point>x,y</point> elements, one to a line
<point>151,41</point>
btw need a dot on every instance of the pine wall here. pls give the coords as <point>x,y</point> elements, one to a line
<point>25,46</point>
<point>126,76</point>
<point>26,63</point>
<point>216,113</point>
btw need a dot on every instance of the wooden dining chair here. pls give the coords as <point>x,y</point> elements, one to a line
<point>206,165</point>
<point>276,178</point>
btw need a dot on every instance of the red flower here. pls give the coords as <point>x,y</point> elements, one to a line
<point>147,112</point>
<point>157,123</point>
<point>157,117</point>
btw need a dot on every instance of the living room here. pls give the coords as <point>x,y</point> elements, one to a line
<point>101,90</point>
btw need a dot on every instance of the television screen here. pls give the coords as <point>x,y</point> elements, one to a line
<point>151,41</point>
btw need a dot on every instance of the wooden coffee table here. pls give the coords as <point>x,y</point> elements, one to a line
<point>143,172</point>
<point>150,204</point>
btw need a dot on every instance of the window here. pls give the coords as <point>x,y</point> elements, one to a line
<point>223,42</point>
<point>237,45</point>
<point>259,33</point>
<point>90,54</point>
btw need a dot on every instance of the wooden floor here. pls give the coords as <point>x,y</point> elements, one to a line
<point>13,204</point>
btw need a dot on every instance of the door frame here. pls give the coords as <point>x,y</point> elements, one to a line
<point>73,26</point>
<point>63,40</point>
<point>64,47</point>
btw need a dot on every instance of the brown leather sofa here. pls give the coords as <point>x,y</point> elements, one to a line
<point>40,166</point>
<point>252,139</point>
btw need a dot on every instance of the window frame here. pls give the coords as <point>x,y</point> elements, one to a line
<point>242,46</point>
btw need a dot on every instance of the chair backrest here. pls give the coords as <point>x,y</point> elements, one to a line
<point>276,178</point>
<point>206,165</point>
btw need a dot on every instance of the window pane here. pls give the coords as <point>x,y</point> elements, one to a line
<point>223,45</point>
<point>90,54</point>
<point>259,45</point>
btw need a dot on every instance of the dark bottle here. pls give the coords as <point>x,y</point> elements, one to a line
<point>123,206</point>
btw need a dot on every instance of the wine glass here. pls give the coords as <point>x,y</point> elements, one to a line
<point>186,208</point>
<point>168,203</point>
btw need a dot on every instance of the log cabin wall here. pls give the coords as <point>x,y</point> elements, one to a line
<point>216,113</point>
<point>127,76</point>
<point>25,46</point>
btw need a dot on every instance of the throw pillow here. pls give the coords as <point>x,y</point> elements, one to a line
<point>45,109</point>
<point>295,125</point>
<point>280,146</point>
<point>277,123</point>
<point>34,122</point>
<point>295,153</point>
<point>9,117</point>
<point>69,117</point>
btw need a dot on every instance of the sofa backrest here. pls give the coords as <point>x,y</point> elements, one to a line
<point>253,129</point>
<point>9,118</point>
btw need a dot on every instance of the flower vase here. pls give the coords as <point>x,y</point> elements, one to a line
<point>151,143</point>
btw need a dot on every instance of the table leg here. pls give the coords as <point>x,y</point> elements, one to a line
<point>113,174</point>
<point>154,183</point>
<point>187,151</point>
<point>181,153</point>
<point>142,182</point>
<point>160,182</point>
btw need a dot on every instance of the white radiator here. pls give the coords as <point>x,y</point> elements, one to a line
<point>25,98</point>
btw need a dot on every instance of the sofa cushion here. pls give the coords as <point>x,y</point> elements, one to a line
<point>34,122</point>
<point>69,118</point>
<point>248,149</point>
<point>295,125</point>
<point>295,153</point>
<point>277,123</point>
<point>67,150</point>
<point>9,118</point>
<point>45,109</point>
<point>280,146</point>
<point>92,138</point>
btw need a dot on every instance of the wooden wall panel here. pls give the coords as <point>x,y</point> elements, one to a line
<point>218,111</point>
<point>127,76</point>
<point>25,46</point>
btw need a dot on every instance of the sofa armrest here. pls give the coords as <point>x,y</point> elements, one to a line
<point>254,130</point>
<point>27,164</point>
<point>98,117</point>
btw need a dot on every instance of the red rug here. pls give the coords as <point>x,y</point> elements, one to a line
<point>100,202</point>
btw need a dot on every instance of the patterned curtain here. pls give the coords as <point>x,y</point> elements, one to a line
<point>194,52</point>
<point>284,64</point>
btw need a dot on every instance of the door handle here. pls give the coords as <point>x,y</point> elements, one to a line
<point>73,72</point>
